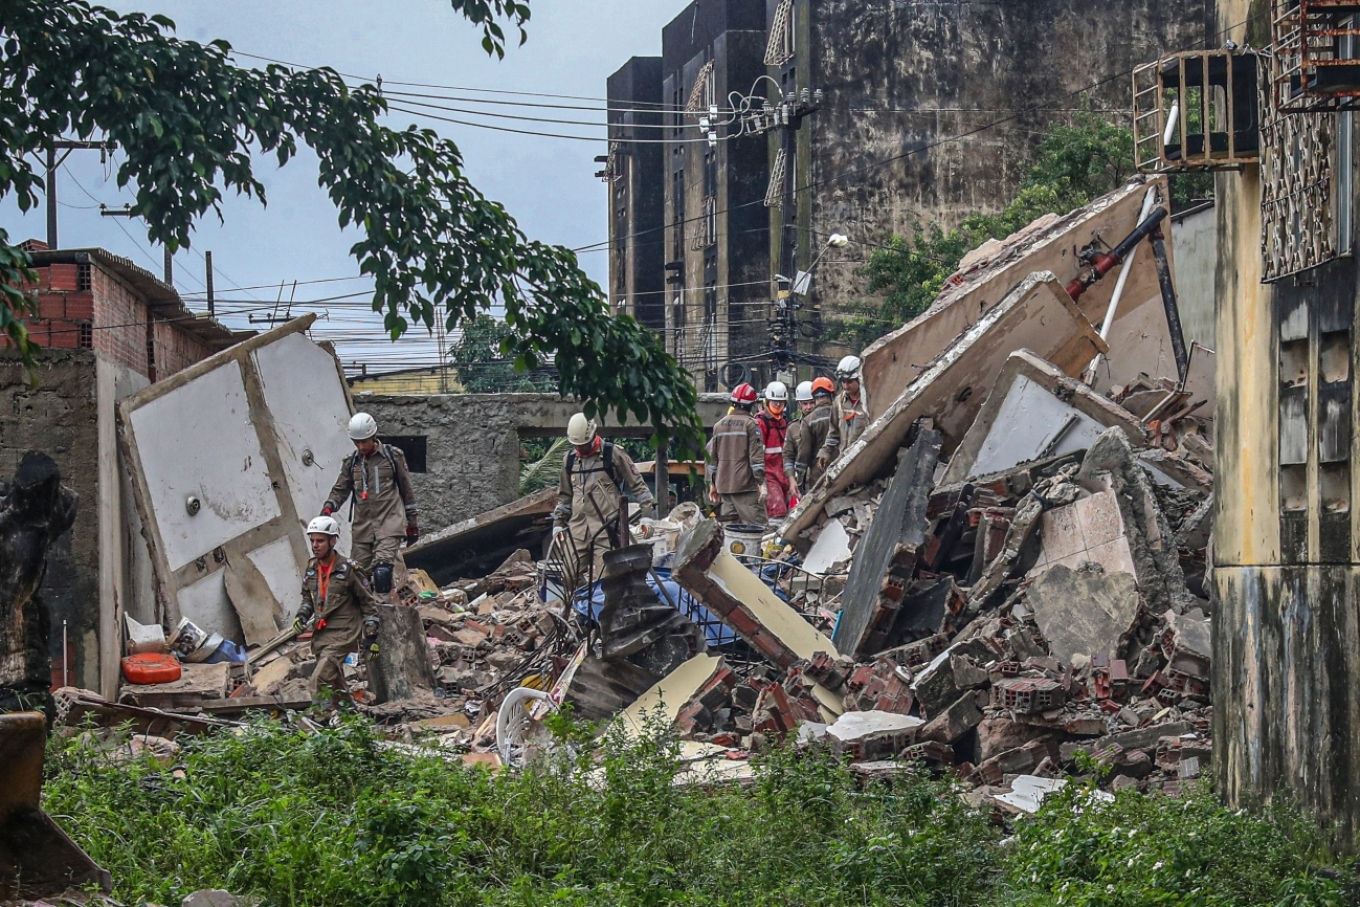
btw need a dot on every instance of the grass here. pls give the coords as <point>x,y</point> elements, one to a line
<point>336,819</point>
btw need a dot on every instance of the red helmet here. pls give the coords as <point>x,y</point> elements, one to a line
<point>823,386</point>
<point>743,395</point>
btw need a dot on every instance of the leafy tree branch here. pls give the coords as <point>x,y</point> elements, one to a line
<point>188,120</point>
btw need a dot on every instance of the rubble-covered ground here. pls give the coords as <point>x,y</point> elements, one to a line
<point>280,814</point>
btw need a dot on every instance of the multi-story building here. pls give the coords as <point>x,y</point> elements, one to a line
<point>108,329</point>
<point>926,112</point>
<point>710,258</point>
<point>635,174</point>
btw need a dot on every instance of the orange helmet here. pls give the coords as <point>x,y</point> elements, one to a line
<point>823,386</point>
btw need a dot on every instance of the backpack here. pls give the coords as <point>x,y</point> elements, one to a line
<point>607,450</point>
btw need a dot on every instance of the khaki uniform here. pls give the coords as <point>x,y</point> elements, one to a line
<point>347,603</point>
<point>384,503</point>
<point>588,496</point>
<point>849,419</point>
<point>806,437</point>
<point>736,467</point>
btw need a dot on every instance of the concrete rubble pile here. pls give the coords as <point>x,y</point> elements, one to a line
<point>1002,578</point>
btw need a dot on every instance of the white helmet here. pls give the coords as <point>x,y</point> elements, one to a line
<point>324,525</point>
<point>580,430</point>
<point>362,427</point>
<point>848,368</point>
<point>804,392</point>
<point>776,392</point>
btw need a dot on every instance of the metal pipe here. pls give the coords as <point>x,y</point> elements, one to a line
<point>1173,315</point>
<point>1106,263</point>
<point>1090,374</point>
<point>65,655</point>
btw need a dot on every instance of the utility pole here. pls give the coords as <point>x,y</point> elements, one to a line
<point>169,267</point>
<point>53,162</point>
<point>208,283</point>
<point>788,118</point>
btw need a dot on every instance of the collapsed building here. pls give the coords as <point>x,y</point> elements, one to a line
<point>1006,571</point>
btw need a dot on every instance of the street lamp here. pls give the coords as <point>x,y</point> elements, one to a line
<point>804,278</point>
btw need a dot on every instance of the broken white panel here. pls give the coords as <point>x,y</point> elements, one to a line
<point>832,547</point>
<point>278,564</point>
<point>206,604</point>
<point>1031,424</point>
<point>217,454</point>
<point>200,445</point>
<point>1027,793</point>
<point>1090,529</point>
<point>301,378</point>
<point>857,725</point>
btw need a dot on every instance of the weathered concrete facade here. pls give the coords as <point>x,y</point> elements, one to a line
<point>472,443</point>
<point>635,174</point>
<point>1286,549</point>
<point>109,329</point>
<point>715,236</point>
<point>930,109</point>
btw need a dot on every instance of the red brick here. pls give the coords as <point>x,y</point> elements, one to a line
<point>80,306</point>
<point>63,277</point>
<point>51,305</point>
<point>65,336</point>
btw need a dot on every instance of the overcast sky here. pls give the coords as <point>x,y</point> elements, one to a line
<point>546,183</point>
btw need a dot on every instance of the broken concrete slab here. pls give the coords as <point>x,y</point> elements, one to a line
<point>1110,465</point>
<point>885,560</point>
<point>873,734</point>
<point>223,514</point>
<point>1034,411</point>
<point>664,701</point>
<point>957,719</point>
<point>1037,314</point>
<point>894,361</point>
<point>475,547</point>
<point>738,597</point>
<point>1090,529</point>
<point>1082,612</point>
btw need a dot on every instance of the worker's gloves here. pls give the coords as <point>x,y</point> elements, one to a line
<point>823,461</point>
<point>371,635</point>
<point>299,625</point>
<point>763,494</point>
<point>412,534</point>
<point>327,510</point>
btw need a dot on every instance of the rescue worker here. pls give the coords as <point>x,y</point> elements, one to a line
<point>589,497</point>
<point>736,462</point>
<point>807,435</point>
<point>774,428</point>
<point>336,596</point>
<point>849,413</point>
<point>384,508</point>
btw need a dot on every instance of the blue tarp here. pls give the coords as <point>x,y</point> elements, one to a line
<point>668,590</point>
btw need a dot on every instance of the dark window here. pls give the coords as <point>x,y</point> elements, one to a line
<point>414,448</point>
<point>83,276</point>
<point>86,335</point>
<point>151,349</point>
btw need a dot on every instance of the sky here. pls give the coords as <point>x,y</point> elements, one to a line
<point>546,183</point>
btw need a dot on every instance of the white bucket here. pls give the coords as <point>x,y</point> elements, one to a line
<point>743,540</point>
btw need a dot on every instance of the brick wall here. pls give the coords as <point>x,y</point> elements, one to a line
<point>176,350</point>
<point>86,307</point>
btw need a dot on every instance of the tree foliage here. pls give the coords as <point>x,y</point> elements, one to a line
<point>481,365</point>
<point>187,120</point>
<point>1072,165</point>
